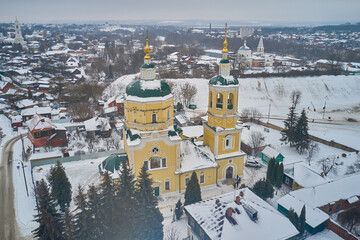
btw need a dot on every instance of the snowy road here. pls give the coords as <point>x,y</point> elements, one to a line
<point>8,225</point>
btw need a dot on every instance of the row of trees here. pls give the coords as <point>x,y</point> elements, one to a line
<point>108,211</point>
<point>275,173</point>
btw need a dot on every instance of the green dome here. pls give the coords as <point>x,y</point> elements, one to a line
<point>148,88</point>
<point>219,80</point>
<point>224,61</point>
<point>147,66</point>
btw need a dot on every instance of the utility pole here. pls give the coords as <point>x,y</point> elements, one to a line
<point>22,165</point>
<point>269,113</point>
<point>324,109</point>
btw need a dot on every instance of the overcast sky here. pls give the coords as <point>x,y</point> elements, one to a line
<point>261,11</point>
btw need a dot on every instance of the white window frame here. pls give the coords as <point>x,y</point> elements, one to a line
<point>202,175</point>
<point>231,140</point>
<point>167,181</point>
<point>186,179</point>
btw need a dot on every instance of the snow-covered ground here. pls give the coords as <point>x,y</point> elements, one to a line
<point>324,235</point>
<point>291,156</point>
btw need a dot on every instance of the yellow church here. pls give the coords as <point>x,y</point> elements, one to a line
<point>152,139</point>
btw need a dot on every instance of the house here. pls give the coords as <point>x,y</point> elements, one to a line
<point>16,121</point>
<point>28,113</point>
<point>5,86</point>
<point>26,103</point>
<point>97,126</point>
<point>300,175</point>
<point>245,216</point>
<point>321,200</point>
<point>43,132</point>
<point>269,153</point>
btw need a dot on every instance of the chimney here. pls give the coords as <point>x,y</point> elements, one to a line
<point>237,200</point>
<point>241,194</point>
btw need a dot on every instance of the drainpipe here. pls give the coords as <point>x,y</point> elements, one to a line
<point>180,183</point>
<point>217,177</point>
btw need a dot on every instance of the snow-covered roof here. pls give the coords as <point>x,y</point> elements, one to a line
<point>181,118</point>
<point>333,191</point>
<point>194,158</point>
<point>97,124</point>
<point>314,216</point>
<point>270,152</point>
<point>211,217</point>
<point>306,176</point>
<point>38,122</point>
<point>25,103</point>
<point>193,131</point>
<point>16,119</point>
<point>39,110</point>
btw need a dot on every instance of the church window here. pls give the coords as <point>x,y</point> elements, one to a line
<point>143,75</point>
<point>155,150</point>
<point>228,142</point>
<point>202,178</point>
<point>167,185</point>
<point>187,179</point>
<point>148,74</point>
<point>210,99</point>
<point>153,118</point>
<point>230,101</point>
<point>163,162</point>
<point>168,114</point>
<point>219,100</point>
<point>155,162</point>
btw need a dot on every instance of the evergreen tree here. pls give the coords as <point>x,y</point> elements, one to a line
<point>94,208</point>
<point>302,140</point>
<point>274,173</point>
<point>293,217</point>
<point>127,209</point>
<point>270,170</point>
<point>263,189</point>
<point>150,217</point>
<point>193,192</point>
<point>178,210</point>
<point>108,207</point>
<point>279,175</point>
<point>302,219</point>
<point>82,218</point>
<point>179,107</point>
<point>67,220</point>
<point>50,225</point>
<point>60,185</point>
<point>30,95</point>
<point>288,134</point>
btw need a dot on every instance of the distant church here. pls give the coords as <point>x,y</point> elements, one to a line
<point>152,140</point>
<point>259,59</point>
<point>17,39</point>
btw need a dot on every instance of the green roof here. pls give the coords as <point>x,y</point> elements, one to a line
<point>219,80</point>
<point>112,162</point>
<point>147,66</point>
<point>224,61</point>
<point>135,89</point>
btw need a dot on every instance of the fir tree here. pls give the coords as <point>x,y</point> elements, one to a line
<point>288,134</point>
<point>150,217</point>
<point>30,95</point>
<point>270,170</point>
<point>50,225</point>
<point>302,140</point>
<point>60,185</point>
<point>263,189</point>
<point>193,192</point>
<point>178,210</point>
<point>67,220</point>
<point>293,217</point>
<point>274,173</point>
<point>108,207</point>
<point>94,208</point>
<point>127,209</point>
<point>302,219</point>
<point>279,175</point>
<point>82,218</point>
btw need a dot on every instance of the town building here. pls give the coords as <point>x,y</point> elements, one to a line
<point>246,32</point>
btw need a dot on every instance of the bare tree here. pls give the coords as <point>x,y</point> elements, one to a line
<point>245,113</point>
<point>2,135</point>
<point>172,234</point>
<point>350,218</point>
<point>313,148</point>
<point>188,93</point>
<point>255,114</point>
<point>256,140</point>
<point>295,97</point>
<point>328,164</point>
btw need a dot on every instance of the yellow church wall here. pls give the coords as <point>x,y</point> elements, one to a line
<point>237,163</point>
<point>224,122</point>
<point>209,138</point>
<point>235,144</point>
<point>209,177</point>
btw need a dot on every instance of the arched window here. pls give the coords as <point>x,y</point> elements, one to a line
<point>168,114</point>
<point>153,118</point>
<point>219,100</point>
<point>230,101</point>
<point>210,99</point>
<point>155,162</point>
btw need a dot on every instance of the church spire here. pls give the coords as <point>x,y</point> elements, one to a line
<point>260,48</point>
<point>225,51</point>
<point>147,50</point>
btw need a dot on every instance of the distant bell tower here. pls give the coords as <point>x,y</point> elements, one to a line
<point>18,36</point>
<point>221,132</point>
<point>260,48</point>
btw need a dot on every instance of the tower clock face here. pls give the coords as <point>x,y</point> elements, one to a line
<point>155,150</point>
